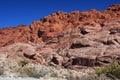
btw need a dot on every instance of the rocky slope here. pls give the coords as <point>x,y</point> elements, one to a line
<point>68,40</point>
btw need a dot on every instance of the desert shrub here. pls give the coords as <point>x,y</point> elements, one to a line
<point>1,70</point>
<point>113,69</point>
<point>23,63</point>
<point>32,72</point>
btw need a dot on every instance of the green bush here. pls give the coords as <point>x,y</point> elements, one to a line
<point>23,63</point>
<point>113,69</point>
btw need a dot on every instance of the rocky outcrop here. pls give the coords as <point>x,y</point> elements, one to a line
<point>59,23</point>
<point>14,34</point>
<point>69,40</point>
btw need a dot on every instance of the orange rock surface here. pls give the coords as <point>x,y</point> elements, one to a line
<point>56,23</point>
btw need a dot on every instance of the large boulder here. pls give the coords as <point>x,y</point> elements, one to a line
<point>19,51</point>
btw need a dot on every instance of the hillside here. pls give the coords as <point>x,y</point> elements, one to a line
<point>74,40</point>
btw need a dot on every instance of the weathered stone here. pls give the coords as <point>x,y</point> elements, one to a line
<point>19,50</point>
<point>68,40</point>
<point>57,60</point>
<point>98,51</point>
<point>61,22</point>
<point>91,28</point>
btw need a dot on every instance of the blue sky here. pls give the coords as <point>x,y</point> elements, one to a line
<point>16,12</point>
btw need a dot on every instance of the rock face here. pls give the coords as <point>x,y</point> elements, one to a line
<point>68,40</point>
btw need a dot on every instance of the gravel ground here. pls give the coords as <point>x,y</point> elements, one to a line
<point>12,78</point>
<point>20,78</point>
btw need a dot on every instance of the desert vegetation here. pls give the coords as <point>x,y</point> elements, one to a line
<point>112,70</point>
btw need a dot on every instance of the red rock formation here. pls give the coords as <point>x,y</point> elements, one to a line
<point>12,35</point>
<point>69,39</point>
<point>54,24</point>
